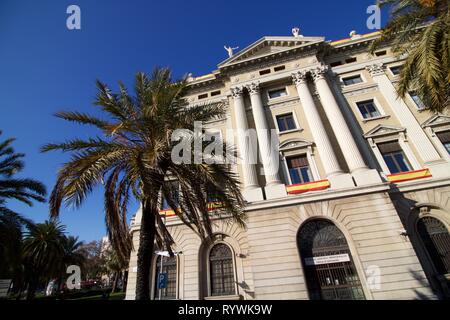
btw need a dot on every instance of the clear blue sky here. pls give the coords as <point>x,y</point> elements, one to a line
<point>45,68</point>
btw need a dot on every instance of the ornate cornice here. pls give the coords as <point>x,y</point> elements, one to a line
<point>253,88</point>
<point>376,69</point>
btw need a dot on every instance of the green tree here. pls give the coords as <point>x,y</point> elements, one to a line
<point>115,266</point>
<point>420,30</point>
<point>94,262</point>
<point>133,157</point>
<point>43,250</point>
<point>12,223</point>
<point>71,255</point>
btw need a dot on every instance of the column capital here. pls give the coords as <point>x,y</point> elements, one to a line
<point>236,92</point>
<point>253,88</point>
<point>319,72</point>
<point>299,77</point>
<point>376,69</point>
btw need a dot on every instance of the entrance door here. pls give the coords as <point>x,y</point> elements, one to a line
<point>327,263</point>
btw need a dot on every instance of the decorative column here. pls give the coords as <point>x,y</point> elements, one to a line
<point>360,172</point>
<point>269,155</point>
<point>329,159</point>
<point>423,145</point>
<point>252,191</point>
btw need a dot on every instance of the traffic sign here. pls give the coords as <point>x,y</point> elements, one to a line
<point>162,280</point>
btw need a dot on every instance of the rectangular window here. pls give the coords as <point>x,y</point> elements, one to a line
<point>444,137</point>
<point>174,195</point>
<point>279,68</point>
<point>215,93</point>
<point>299,170</point>
<point>352,80</point>
<point>277,93</point>
<point>368,109</point>
<point>335,64</point>
<point>350,60</point>
<point>396,70</point>
<point>417,100</point>
<point>380,53</point>
<point>203,96</point>
<point>394,157</point>
<point>286,122</point>
<point>263,72</point>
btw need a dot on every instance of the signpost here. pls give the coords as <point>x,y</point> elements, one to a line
<point>162,280</point>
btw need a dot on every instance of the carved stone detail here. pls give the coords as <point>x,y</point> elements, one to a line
<point>253,88</point>
<point>375,69</point>
<point>299,77</point>
<point>319,72</point>
<point>236,92</point>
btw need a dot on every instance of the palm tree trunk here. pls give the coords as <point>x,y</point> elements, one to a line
<point>145,251</point>
<point>116,280</point>
<point>31,291</point>
<point>124,281</point>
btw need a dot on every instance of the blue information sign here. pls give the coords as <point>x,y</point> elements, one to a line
<point>162,280</point>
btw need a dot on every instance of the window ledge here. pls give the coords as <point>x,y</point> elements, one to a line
<point>408,176</point>
<point>280,133</point>
<point>376,118</point>
<point>231,297</point>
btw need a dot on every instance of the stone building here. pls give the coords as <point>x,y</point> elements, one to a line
<point>358,207</point>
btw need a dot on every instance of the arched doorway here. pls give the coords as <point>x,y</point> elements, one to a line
<point>327,262</point>
<point>436,240</point>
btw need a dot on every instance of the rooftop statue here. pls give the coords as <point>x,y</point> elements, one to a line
<point>230,50</point>
<point>296,32</point>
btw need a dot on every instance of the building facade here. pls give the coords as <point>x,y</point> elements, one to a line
<point>358,207</point>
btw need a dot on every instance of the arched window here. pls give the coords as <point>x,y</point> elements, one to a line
<point>436,239</point>
<point>327,262</point>
<point>221,270</point>
<point>169,266</point>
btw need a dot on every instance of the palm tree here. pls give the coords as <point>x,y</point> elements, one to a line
<point>71,255</point>
<point>115,266</point>
<point>133,157</point>
<point>43,249</point>
<point>12,223</point>
<point>420,29</point>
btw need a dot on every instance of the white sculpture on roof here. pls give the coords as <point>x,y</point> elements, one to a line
<point>353,34</point>
<point>230,50</point>
<point>296,32</point>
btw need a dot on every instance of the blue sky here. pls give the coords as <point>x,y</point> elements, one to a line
<point>45,68</point>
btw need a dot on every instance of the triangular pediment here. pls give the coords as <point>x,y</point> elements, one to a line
<point>436,120</point>
<point>267,46</point>
<point>382,130</point>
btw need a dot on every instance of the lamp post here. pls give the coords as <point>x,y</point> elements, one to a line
<point>163,254</point>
